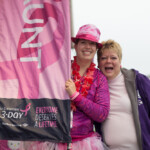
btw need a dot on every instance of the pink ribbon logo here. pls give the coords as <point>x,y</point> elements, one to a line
<point>26,109</point>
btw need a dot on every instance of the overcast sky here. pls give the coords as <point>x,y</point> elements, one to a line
<point>125,21</point>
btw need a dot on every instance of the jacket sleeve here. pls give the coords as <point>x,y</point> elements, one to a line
<point>97,109</point>
<point>143,83</point>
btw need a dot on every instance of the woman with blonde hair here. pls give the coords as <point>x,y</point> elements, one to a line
<point>128,122</point>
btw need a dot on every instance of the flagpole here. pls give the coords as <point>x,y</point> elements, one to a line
<point>72,23</point>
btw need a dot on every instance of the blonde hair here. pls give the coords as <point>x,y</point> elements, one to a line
<point>110,45</point>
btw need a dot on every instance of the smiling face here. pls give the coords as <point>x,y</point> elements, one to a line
<point>85,49</point>
<point>109,63</point>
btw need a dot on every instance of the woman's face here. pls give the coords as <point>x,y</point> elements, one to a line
<point>109,64</point>
<point>85,49</point>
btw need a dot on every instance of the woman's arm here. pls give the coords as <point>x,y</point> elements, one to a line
<point>99,108</point>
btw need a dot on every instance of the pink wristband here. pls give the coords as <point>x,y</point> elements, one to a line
<point>74,95</point>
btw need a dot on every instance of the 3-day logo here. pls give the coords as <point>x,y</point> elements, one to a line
<point>26,110</point>
<point>14,114</point>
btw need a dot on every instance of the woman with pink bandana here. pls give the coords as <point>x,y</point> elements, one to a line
<point>88,91</point>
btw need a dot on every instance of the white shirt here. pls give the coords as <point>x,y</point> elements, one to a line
<point>118,128</point>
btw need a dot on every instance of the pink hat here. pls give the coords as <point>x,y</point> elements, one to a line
<point>88,32</point>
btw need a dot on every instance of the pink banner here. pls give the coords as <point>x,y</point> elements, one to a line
<point>34,48</point>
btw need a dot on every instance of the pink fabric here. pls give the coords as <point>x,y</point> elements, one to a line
<point>79,138</point>
<point>34,48</point>
<point>91,143</point>
<point>94,107</point>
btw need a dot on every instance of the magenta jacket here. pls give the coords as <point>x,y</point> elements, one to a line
<point>94,107</point>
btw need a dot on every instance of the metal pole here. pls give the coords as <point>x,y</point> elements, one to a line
<point>72,24</point>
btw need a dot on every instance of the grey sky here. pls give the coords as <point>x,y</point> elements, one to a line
<point>125,21</point>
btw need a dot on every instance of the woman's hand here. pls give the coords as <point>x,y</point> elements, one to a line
<point>70,87</point>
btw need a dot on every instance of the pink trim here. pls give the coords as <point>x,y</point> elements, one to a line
<point>78,138</point>
<point>74,95</point>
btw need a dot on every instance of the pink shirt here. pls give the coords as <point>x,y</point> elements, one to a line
<point>93,107</point>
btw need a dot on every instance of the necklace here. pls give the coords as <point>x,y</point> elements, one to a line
<point>84,82</point>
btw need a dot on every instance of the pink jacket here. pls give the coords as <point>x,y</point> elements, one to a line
<point>94,107</point>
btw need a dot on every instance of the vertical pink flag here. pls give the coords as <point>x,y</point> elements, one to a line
<point>34,65</point>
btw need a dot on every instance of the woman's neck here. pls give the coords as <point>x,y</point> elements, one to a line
<point>84,65</point>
